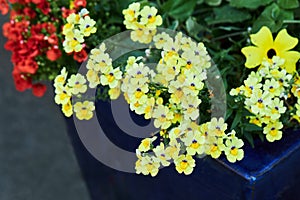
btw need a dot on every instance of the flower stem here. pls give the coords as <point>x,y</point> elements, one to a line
<point>291,21</point>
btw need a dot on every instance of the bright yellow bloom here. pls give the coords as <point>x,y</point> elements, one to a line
<point>214,146</point>
<point>232,149</point>
<point>61,78</point>
<point>67,109</point>
<point>146,144</point>
<point>84,110</point>
<point>272,131</point>
<point>265,48</point>
<point>111,78</point>
<point>185,164</point>
<point>149,18</point>
<point>63,94</point>
<point>86,26</point>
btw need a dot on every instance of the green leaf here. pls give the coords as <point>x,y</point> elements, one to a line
<point>253,4</point>
<point>252,127</point>
<point>272,17</point>
<point>288,4</point>
<point>236,120</point>
<point>179,9</point>
<point>213,2</point>
<point>227,14</point>
<point>249,138</point>
<point>193,28</point>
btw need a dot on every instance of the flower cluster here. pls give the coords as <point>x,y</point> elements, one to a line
<point>33,34</point>
<point>77,27</point>
<point>66,88</point>
<point>169,94</point>
<point>185,141</point>
<point>266,91</point>
<point>143,22</point>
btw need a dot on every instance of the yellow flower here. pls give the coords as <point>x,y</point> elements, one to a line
<point>142,34</point>
<point>147,165</point>
<point>73,41</point>
<point>111,78</point>
<point>185,164</point>
<point>272,131</point>
<point>163,117</point>
<point>61,78</point>
<point>63,95</point>
<point>149,18</point>
<point>146,144</point>
<point>114,93</point>
<point>217,127</point>
<point>84,110</point>
<point>86,26</point>
<point>265,48</point>
<point>67,109</point>
<point>77,84</point>
<point>93,78</point>
<point>160,153</point>
<point>214,146</point>
<point>194,143</point>
<point>232,149</point>
<point>161,39</point>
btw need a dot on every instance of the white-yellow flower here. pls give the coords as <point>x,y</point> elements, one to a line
<point>84,110</point>
<point>232,149</point>
<point>162,117</point>
<point>185,164</point>
<point>111,78</point>
<point>77,84</point>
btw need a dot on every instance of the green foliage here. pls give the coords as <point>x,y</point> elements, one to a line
<point>227,14</point>
<point>288,4</point>
<point>253,4</point>
<point>273,17</point>
<point>179,9</point>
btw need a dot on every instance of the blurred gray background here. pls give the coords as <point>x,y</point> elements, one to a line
<point>36,158</point>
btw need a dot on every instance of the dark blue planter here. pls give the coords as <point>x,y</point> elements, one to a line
<point>270,171</point>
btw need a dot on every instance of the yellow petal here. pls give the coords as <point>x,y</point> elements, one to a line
<point>263,38</point>
<point>254,56</point>
<point>284,41</point>
<point>290,57</point>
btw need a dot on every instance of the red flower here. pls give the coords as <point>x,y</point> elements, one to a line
<point>53,54</point>
<point>27,66</point>
<point>22,82</point>
<point>79,3</point>
<point>29,12</point>
<point>53,39</point>
<point>67,12</point>
<point>38,89</point>
<point>4,8</point>
<point>80,56</point>
<point>44,6</point>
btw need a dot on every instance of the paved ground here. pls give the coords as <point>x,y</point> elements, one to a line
<point>36,158</point>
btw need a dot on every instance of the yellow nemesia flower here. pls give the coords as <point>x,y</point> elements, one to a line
<point>185,164</point>
<point>77,84</point>
<point>84,110</point>
<point>272,131</point>
<point>265,48</point>
<point>146,144</point>
<point>67,109</point>
<point>232,149</point>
